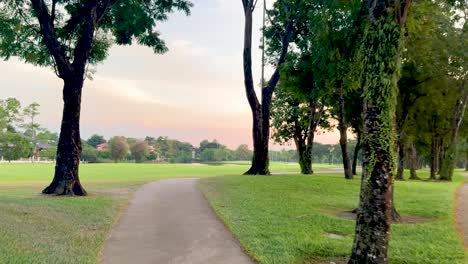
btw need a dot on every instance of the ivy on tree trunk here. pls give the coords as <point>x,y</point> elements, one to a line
<point>381,51</point>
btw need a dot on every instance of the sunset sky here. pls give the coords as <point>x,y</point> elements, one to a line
<point>193,92</point>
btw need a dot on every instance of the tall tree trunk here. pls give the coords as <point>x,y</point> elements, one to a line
<point>414,163</point>
<point>260,159</point>
<point>434,156</point>
<point>381,52</point>
<point>450,155</point>
<point>401,160</point>
<point>66,180</point>
<point>466,160</point>
<point>261,111</point>
<point>304,153</point>
<point>357,148</point>
<point>342,127</point>
<point>305,144</point>
<point>441,149</point>
<point>260,153</point>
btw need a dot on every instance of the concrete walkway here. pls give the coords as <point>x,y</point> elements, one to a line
<point>169,221</point>
<point>462,210</point>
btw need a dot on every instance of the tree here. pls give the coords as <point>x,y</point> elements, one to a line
<point>31,111</point>
<point>434,70</point>
<point>45,136</point>
<point>9,114</point>
<point>381,51</point>
<point>243,153</point>
<point>95,140</point>
<point>89,153</point>
<point>139,151</point>
<point>119,148</point>
<point>69,35</point>
<point>297,121</point>
<point>49,153</point>
<point>261,110</point>
<point>173,151</point>
<point>14,146</point>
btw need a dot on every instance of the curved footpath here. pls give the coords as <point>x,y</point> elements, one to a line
<point>462,210</point>
<point>169,221</point>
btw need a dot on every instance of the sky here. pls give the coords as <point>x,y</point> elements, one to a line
<point>193,92</point>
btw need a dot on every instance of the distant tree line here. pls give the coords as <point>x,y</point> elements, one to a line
<point>158,150</point>
<point>21,137</point>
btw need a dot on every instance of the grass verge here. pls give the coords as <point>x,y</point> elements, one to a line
<point>284,219</point>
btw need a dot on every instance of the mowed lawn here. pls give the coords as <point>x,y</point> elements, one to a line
<point>290,219</point>
<point>278,219</point>
<point>40,229</point>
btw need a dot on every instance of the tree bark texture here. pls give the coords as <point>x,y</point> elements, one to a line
<point>260,111</point>
<point>414,163</point>
<point>381,52</point>
<point>305,144</point>
<point>434,156</point>
<point>66,180</point>
<point>342,127</point>
<point>401,160</point>
<point>357,148</point>
<point>450,155</point>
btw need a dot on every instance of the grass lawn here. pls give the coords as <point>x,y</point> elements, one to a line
<point>287,219</point>
<point>40,229</point>
<point>278,219</point>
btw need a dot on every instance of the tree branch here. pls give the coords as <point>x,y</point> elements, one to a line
<point>50,38</point>
<point>85,41</point>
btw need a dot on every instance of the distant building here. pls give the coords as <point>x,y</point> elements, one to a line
<point>102,147</point>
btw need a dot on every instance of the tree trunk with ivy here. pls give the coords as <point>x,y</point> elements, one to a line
<point>381,52</point>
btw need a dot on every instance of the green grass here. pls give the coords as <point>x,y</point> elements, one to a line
<point>278,219</point>
<point>40,229</point>
<point>285,219</point>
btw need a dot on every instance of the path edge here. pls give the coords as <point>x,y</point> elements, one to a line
<point>458,226</point>
<point>223,222</point>
<point>117,220</point>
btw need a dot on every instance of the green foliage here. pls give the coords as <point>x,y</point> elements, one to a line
<point>14,146</point>
<point>119,148</point>
<point>139,150</point>
<point>45,136</point>
<point>10,114</point>
<point>104,155</point>
<point>120,22</point>
<point>243,153</point>
<point>173,151</point>
<point>89,153</point>
<point>381,54</point>
<point>95,140</point>
<point>49,153</point>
